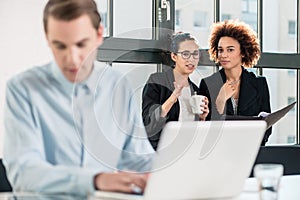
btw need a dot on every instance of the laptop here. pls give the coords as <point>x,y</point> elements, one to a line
<point>200,160</point>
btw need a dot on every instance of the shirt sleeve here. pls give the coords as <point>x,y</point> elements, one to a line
<point>24,155</point>
<point>137,153</point>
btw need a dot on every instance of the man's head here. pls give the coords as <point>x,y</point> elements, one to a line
<point>68,10</point>
<point>74,32</point>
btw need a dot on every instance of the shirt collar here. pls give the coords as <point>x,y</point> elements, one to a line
<point>58,75</point>
<point>89,84</point>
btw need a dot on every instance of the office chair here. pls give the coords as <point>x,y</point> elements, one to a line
<point>4,184</point>
<point>288,156</point>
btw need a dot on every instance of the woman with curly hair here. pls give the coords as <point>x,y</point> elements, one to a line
<point>233,90</point>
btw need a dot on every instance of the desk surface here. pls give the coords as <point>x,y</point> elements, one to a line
<point>289,190</point>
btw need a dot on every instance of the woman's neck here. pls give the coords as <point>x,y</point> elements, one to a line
<point>233,74</point>
<point>181,78</point>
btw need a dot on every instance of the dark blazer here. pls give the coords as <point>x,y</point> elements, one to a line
<point>253,98</point>
<point>157,90</point>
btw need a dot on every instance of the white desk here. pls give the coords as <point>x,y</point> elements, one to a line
<point>289,190</point>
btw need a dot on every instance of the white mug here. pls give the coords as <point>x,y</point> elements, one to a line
<point>196,101</point>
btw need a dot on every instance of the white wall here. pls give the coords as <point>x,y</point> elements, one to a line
<point>22,42</point>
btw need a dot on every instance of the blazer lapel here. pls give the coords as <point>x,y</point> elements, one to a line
<point>248,91</point>
<point>170,80</point>
<point>170,84</point>
<point>228,108</point>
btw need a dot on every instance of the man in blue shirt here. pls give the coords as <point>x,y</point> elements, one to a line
<point>72,126</point>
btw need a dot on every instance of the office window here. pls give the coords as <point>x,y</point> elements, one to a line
<point>291,139</point>
<point>291,72</point>
<point>277,29</point>
<point>104,22</point>
<point>102,7</point>
<point>192,22</point>
<point>200,19</point>
<point>244,6</point>
<point>252,6</point>
<point>249,6</point>
<point>246,11</point>
<point>132,19</point>
<point>282,92</point>
<point>291,100</point>
<point>177,18</point>
<point>282,82</point>
<point>292,27</point>
<point>225,17</point>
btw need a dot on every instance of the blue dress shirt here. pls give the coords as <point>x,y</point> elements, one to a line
<point>59,135</point>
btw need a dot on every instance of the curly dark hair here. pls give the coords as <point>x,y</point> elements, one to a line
<point>241,32</point>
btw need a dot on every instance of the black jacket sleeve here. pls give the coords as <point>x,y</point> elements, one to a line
<point>265,103</point>
<point>151,111</point>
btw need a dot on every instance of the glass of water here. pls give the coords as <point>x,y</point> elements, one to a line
<point>268,177</point>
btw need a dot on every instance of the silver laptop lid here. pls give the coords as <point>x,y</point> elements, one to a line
<point>204,159</point>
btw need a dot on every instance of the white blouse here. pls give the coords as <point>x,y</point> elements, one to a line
<point>185,112</point>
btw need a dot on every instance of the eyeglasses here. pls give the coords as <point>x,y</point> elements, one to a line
<point>186,54</point>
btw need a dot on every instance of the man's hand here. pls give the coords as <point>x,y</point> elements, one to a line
<point>121,182</point>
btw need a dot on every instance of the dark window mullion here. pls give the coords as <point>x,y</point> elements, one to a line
<point>298,77</point>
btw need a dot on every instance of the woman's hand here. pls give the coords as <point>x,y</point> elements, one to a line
<point>226,91</point>
<point>205,109</point>
<point>167,105</point>
<point>178,89</point>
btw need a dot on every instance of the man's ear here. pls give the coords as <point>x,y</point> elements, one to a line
<point>100,34</point>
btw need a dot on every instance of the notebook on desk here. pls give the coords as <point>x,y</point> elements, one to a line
<point>198,160</point>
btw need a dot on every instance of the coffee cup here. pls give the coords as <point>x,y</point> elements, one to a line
<point>195,102</point>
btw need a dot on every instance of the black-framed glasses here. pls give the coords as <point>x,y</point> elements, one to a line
<point>186,54</point>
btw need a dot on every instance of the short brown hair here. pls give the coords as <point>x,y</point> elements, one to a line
<point>239,31</point>
<point>68,10</point>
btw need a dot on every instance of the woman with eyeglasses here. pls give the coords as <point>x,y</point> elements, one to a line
<point>166,94</point>
<point>234,90</point>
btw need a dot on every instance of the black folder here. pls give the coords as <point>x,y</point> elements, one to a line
<point>271,118</point>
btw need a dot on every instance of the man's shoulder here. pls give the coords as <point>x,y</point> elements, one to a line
<point>31,75</point>
<point>31,72</point>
